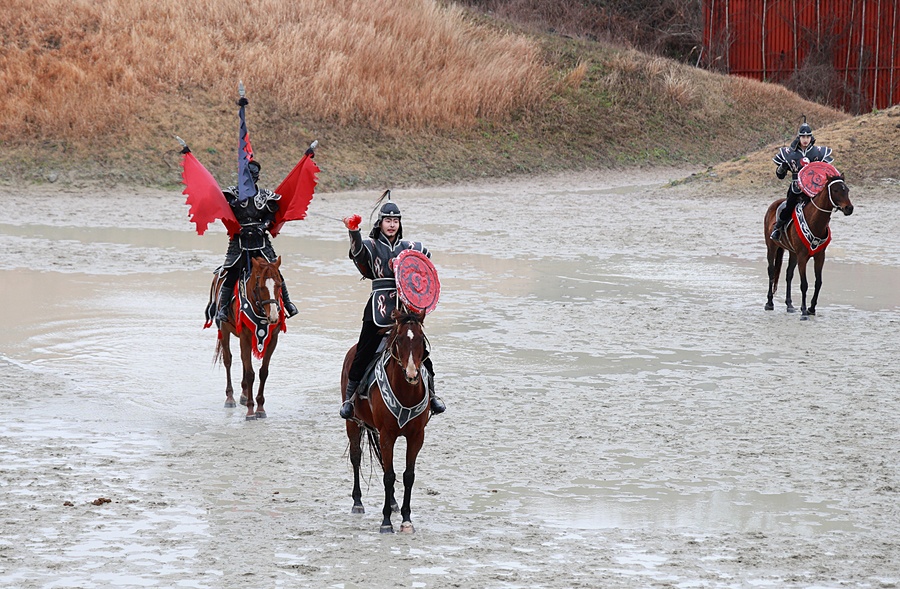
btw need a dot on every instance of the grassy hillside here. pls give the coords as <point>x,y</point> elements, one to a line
<point>397,93</point>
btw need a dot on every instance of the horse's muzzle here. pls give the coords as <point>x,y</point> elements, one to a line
<point>412,381</point>
<point>847,210</point>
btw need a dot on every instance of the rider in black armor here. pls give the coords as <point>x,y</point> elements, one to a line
<point>803,150</point>
<point>256,215</point>
<point>373,258</point>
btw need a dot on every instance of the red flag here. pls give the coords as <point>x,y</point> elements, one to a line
<point>205,197</point>
<point>296,193</point>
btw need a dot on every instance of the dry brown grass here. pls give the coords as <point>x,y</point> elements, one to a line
<point>83,68</point>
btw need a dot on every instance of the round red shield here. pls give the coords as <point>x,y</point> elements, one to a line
<point>417,281</point>
<point>814,175</point>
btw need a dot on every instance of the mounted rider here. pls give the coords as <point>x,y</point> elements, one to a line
<point>373,257</point>
<point>256,215</point>
<point>802,151</point>
<point>254,209</point>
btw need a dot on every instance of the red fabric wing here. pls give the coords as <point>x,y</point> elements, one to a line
<point>296,193</point>
<point>205,197</point>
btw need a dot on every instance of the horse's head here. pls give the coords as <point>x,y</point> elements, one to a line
<point>407,339</point>
<point>264,288</point>
<point>836,194</point>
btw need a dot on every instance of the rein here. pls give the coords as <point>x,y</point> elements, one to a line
<point>830,198</point>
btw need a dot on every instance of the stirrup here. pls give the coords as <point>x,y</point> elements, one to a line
<point>347,407</point>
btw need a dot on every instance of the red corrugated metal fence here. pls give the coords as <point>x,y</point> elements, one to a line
<point>842,52</point>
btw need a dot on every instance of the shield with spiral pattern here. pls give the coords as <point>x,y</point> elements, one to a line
<point>417,281</point>
<point>814,176</point>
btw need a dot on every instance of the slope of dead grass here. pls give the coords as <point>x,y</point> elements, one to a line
<point>86,68</point>
<point>389,104</point>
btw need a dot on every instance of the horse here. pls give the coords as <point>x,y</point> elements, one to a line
<point>834,194</point>
<point>256,326</point>
<point>406,344</point>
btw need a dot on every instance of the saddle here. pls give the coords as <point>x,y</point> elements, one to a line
<point>368,379</point>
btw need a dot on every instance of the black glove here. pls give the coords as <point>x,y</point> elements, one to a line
<point>781,172</point>
<point>243,101</point>
<point>310,153</point>
<point>186,150</point>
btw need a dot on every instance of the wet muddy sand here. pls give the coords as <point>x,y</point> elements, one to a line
<point>622,411</point>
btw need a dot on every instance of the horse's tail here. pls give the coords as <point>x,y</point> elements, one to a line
<point>374,446</point>
<point>217,356</point>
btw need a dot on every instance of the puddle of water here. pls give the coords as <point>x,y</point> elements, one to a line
<point>632,505</point>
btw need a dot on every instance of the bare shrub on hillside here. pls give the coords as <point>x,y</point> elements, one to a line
<point>673,28</point>
<point>77,68</point>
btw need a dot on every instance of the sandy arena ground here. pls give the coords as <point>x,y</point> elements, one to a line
<point>622,412</point>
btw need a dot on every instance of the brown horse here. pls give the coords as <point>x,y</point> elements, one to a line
<point>409,398</point>
<point>257,327</point>
<point>817,212</point>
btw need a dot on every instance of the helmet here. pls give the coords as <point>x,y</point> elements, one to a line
<point>388,209</point>
<point>254,167</point>
<point>805,129</point>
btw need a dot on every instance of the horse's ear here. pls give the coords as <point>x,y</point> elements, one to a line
<point>278,262</point>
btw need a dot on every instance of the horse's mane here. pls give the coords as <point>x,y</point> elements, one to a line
<point>402,317</point>
<point>829,180</point>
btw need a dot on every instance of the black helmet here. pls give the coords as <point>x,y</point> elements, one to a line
<point>387,211</point>
<point>805,129</point>
<point>254,167</point>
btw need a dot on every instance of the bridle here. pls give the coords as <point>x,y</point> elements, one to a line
<point>260,303</point>
<point>830,197</point>
<point>393,348</point>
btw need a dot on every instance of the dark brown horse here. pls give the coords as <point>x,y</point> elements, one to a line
<point>817,212</point>
<point>407,395</point>
<point>257,327</point>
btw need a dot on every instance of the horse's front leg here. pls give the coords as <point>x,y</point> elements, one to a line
<point>775,256</point>
<point>263,375</point>
<point>413,445</point>
<point>788,278</point>
<point>804,285</point>
<point>386,441</point>
<point>355,433</point>
<point>249,375</point>
<point>818,264</point>
<point>226,361</point>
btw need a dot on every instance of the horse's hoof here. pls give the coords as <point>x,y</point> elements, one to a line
<point>358,509</point>
<point>260,415</point>
<point>250,418</point>
<point>243,400</point>
<point>388,529</point>
<point>770,307</point>
<point>407,528</point>
<point>811,312</point>
<point>395,508</point>
<point>791,310</point>
<point>230,404</point>
<point>804,318</point>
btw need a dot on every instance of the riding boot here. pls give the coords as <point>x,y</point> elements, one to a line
<point>222,310</point>
<point>289,309</point>
<point>437,406</point>
<point>776,232</point>
<point>347,407</point>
